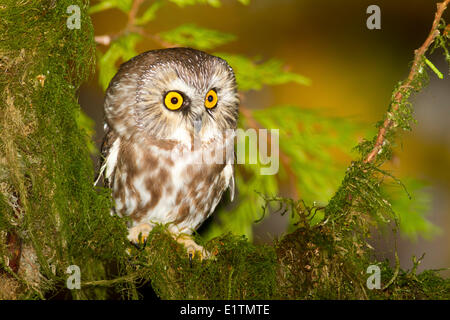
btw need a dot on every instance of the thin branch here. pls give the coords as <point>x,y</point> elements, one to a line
<point>415,69</point>
<point>130,278</point>
<point>133,12</point>
<point>397,269</point>
<point>154,37</point>
<point>106,39</point>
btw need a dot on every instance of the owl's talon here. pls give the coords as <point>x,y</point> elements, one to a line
<point>193,248</point>
<point>141,242</point>
<point>190,259</point>
<point>138,235</point>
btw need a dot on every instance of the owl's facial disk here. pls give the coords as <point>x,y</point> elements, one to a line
<point>173,94</point>
<point>179,101</point>
<point>195,111</point>
<point>185,107</point>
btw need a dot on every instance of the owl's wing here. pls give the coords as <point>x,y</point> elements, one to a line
<point>231,185</point>
<point>109,152</point>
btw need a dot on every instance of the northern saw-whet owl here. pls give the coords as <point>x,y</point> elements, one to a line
<point>163,110</point>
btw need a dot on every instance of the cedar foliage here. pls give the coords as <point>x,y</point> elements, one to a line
<point>51,216</point>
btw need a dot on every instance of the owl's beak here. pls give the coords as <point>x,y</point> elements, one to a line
<point>198,122</point>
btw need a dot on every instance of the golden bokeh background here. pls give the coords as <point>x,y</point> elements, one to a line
<point>353,72</point>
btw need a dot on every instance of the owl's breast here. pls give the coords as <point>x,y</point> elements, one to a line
<point>157,183</point>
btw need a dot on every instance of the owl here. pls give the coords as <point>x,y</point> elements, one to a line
<point>167,112</point>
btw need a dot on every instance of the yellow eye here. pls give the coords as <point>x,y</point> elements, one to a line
<point>211,99</point>
<point>173,100</point>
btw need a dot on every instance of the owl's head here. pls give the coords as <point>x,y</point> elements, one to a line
<point>170,93</point>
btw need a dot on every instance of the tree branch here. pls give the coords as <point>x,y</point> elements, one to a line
<point>106,39</point>
<point>415,69</point>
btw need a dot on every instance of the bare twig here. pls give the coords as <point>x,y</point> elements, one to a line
<point>103,39</point>
<point>131,26</point>
<point>133,13</point>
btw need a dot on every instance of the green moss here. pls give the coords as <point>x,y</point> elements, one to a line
<point>48,198</point>
<point>45,159</point>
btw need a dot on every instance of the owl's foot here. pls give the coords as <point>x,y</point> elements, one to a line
<point>138,234</point>
<point>193,249</point>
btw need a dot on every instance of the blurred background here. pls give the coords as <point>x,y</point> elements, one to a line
<point>353,72</point>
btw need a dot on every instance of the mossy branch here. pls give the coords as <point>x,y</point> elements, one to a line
<point>410,84</point>
<point>47,198</point>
